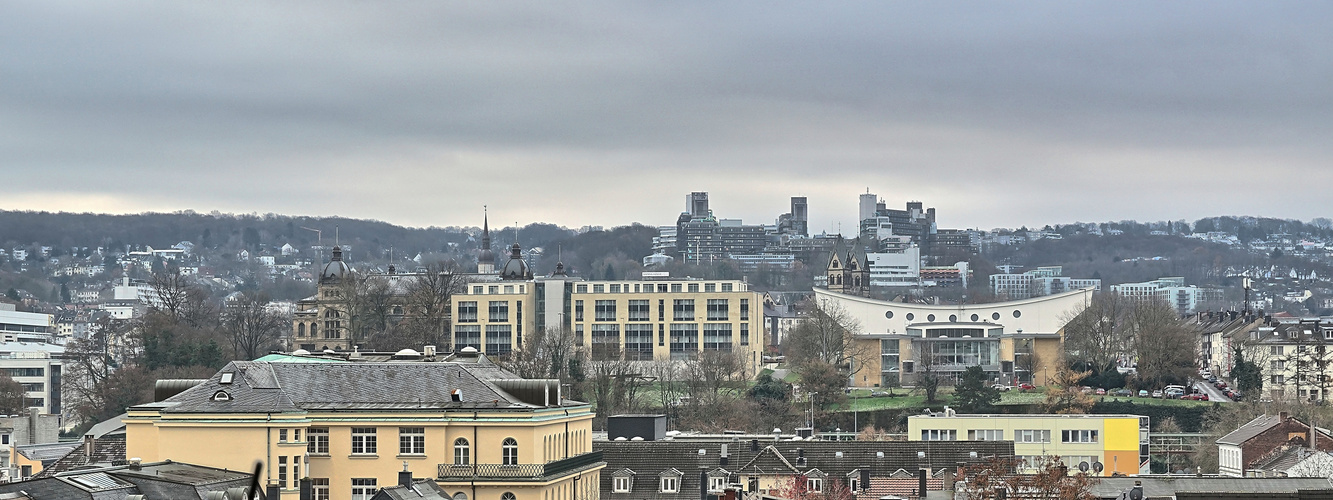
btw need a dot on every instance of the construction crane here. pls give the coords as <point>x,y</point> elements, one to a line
<point>318,235</point>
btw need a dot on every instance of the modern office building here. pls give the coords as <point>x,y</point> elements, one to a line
<point>1012,341</point>
<point>1046,280</point>
<point>37,366</point>
<point>1111,443</point>
<point>349,427</point>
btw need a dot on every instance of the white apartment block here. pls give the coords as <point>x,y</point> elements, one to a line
<point>1038,282</point>
<point>1185,299</point>
<point>895,268</point>
<point>37,366</point>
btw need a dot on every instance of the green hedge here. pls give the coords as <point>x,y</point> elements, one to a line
<point>1189,418</point>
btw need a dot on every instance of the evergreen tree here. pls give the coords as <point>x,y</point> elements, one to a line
<point>973,394</point>
<point>1247,375</point>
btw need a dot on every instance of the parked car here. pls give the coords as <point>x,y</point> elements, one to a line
<point>1143,393</point>
<point>1203,397</point>
<point>1220,385</point>
<point>878,394</point>
<point>1002,387</point>
<point>1087,390</point>
<point>1158,394</point>
<point>1101,392</point>
<point>1212,379</point>
<point>1026,386</point>
<point>1122,392</point>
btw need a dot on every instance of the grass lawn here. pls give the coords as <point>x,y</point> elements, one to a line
<point>861,400</point>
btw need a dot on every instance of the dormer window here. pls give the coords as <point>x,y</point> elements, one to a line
<point>227,378</point>
<point>221,396</point>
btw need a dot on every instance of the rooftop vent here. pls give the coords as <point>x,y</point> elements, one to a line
<point>468,350</point>
<point>429,350</point>
<point>300,352</point>
<point>456,395</point>
<point>407,354</point>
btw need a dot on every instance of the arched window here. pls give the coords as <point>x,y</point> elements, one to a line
<point>462,455</point>
<point>508,496</point>
<point>509,452</point>
<point>300,329</point>
<point>460,496</point>
<point>314,329</point>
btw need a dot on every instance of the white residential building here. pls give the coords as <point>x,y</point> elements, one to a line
<point>895,268</point>
<point>1186,299</point>
<point>38,367</point>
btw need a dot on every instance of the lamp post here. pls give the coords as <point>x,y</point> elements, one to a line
<point>812,411</point>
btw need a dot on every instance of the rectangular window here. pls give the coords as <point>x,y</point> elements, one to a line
<point>582,289</point>
<point>498,311</point>
<point>985,435</point>
<point>939,435</point>
<point>684,340</point>
<point>599,289</point>
<point>676,288</point>
<point>717,337</point>
<point>319,486</point>
<point>33,387</point>
<point>661,335</point>
<point>1278,365</point>
<point>509,288</point>
<point>477,290</point>
<point>621,484</point>
<point>670,485</point>
<point>726,287</point>
<point>682,309</point>
<point>319,441</point>
<point>492,290</point>
<point>717,309</point>
<point>661,309</point>
<point>297,433</point>
<point>716,483</point>
<point>694,288</point>
<point>745,309</point>
<point>745,334</point>
<point>363,441</point>
<point>578,335</point>
<point>1277,349</point>
<point>1032,436</point>
<point>26,372</point>
<point>615,288</point>
<point>282,472</point>
<point>639,310</point>
<point>467,336</point>
<point>467,312</point>
<point>1078,436</point>
<point>411,440</point>
<point>639,341</point>
<point>578,310</point>
<point>605,341</point>
<point>499,339</point>
<point>814,484</point>
<point>363,488</point>
<point>604,310</point>
<point>1278,379</point>
<point>282,435</point>
<point>296,472</point>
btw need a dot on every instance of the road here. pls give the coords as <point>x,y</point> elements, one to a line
<point>1212,392</point>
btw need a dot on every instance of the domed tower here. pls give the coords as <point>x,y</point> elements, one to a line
<point>486,261</point>
<point>516,268</point>
<point>336,269</point>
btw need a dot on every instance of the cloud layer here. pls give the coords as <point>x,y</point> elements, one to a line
<point>607,113</point>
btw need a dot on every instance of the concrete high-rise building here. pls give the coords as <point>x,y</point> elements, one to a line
<point>697,204</point>
<point>868,205</point>
<point>800,216</point>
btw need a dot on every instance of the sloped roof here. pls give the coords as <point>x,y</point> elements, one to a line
<point>45,452</point>
<point>259,386</point>
<point>421,489</point>
<point>1249,430</point>
<point>107,450</point>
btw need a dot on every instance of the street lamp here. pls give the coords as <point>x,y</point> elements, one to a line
<point>812,411</point>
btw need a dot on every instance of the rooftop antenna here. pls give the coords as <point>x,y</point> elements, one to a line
<point>335,235</point>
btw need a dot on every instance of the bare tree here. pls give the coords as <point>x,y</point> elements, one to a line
<point>544,354</point>
<point>12,401</point>
<point>181,298</point>
<point>1167,347</point>
<point>1099,335</point>
<point>1047,479</point>
<point>250,325</point>
<point>427,298</point>
<point>827,334</point>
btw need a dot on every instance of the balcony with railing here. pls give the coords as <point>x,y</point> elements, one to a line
<point>520,472</point>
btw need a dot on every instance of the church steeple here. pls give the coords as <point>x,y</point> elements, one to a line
<point>485,261</point>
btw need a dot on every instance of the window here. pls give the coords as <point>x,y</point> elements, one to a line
<point>319,487</point>
<point>411,441</point>
<point>745,334</point>
<point>639,310</point>
<point>319,441</point>
<point>508,496</point>
<point>296,472</point>
<point>716,483</point>
<point>605,341</point>
<point>1278,365</point>
<point>694,288</point>
<point>498,310</point>
<point>599,289</point>
<point>710,287</point>
<point>615,288</point>
<point>499,339</point>
<point>1032,436</point>
<point>661,309</point>
<point>717,337</point>
<point>1078,436</point>
<point>745,309</point>
<point>684,339</point>
<point>676,288</point>
<point>467,336</point>
<point>578,310</point>
<point>297,434</point>
<point>670,484</point>
<point>363,488</point>
<point>682,309</point>
<point>582,289</point>
<point>282,435</point>
<point>461,452</point>
<point>985,435</point>
<point>509,452</point>
<point>467,312</point>
<point>363,441</point>
<point>1278,379</point>
<point>726,287</point>
<point>814,484</point>
<point>939,435</point>
<point>717,309</point>
<point>604,310</point>
<point>1276,349</point>
<point>282,472</point>
<point>621,484</point>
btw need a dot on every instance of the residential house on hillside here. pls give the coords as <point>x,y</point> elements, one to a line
<point>1256,442</point>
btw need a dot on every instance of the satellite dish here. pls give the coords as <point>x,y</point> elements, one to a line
<point>1098,467</point>
<point>1083,466</point>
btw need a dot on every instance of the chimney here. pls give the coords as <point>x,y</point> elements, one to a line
<point>865,478</point>
<point>724,456</point>
<point>405,476</point>
<point>703,483</point>
<point>1282,417</point>
<point>921,483</point>
<point>272,491</point>
<point>88,447</point>
<point>307,493</point>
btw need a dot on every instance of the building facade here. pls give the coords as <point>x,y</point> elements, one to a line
<point>351,427</point>
<point>1014,341</point>
<point>1119,443</point>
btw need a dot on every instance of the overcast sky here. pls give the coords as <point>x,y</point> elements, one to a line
<point>999,114</point>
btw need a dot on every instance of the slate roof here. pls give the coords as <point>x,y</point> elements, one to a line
<point>1282,460</point>
<point>107,450</point>
<point>168,479</point>
<point>421,489</point>
<point>45,453</point>
<point>648,459</point>
<point>1233,487</point>
<point>259,386</point>
<point>1249,430</point>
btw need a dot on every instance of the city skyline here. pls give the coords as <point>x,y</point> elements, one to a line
<point>419,114</point>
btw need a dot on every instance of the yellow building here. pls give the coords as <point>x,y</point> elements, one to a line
<point>1014,341</point>
<point>350,427</point>
<point>645,320</point>
<point>1118,442</point>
